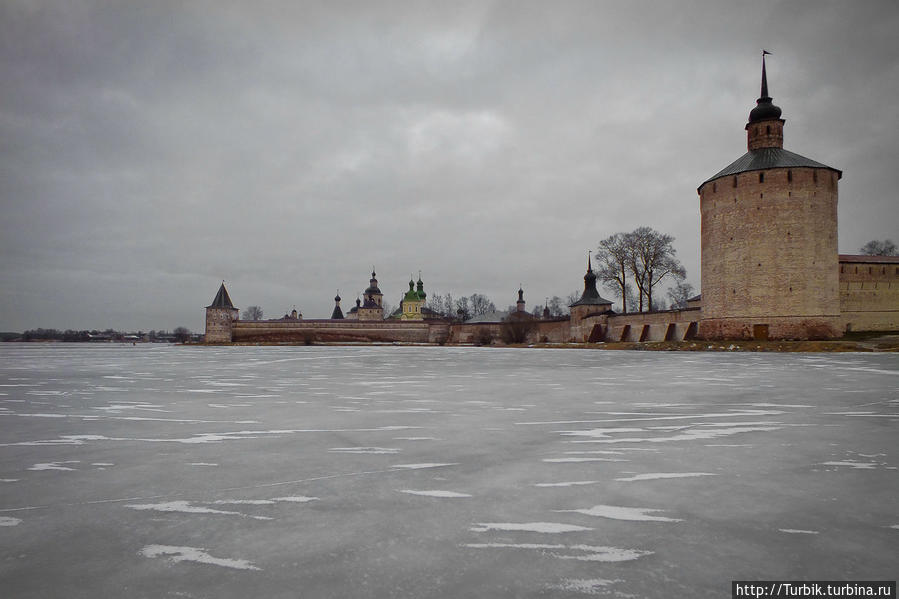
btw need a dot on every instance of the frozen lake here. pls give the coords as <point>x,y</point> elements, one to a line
<point>414,472</point>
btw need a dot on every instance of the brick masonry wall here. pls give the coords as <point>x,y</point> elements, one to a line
<point>769,251</point>
<point>869,296</point>
<point>340,331</point>
<point>629,327</point>
<point>218,324</point>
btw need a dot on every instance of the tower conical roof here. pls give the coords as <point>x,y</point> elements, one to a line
<point>222,299</point>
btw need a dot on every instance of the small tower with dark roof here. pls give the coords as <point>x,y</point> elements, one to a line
<point>373,292</point>
<point>769,239</point>
<point>219,316</point>
<point>519,305</point>
<point>589,307</point>
<point>590,300</point>
<point>371,309</point>
<point>337,314</point>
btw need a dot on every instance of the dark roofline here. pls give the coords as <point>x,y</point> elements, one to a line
<point>857,258</point>
<point>767,158</point>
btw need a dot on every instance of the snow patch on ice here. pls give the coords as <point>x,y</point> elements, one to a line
<point>797,531</point>
<point>195,554</point>
<point>443,494</point>
<point>591,553</point>
<point>371,450</point>
<point>54,465</point>
<point>592,586</point>
<point>572,460</point>
<point>633,514</point>
<point>850,464</point>
<point>187,508</point>
<point>424,465</point>
<point>660,475</point>
<point>572,483</point>
<point>9,480</point>
<point>545,527</point>
<point>203,464</point>
<point>295,499</point>
<point>9,521</point>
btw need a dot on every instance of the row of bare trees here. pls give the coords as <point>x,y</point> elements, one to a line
<point>461,308</point>
<point>640,259</point>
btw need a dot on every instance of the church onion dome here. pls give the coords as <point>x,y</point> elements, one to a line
<point>373,285</point>
<point>768,158</point>
<point>764,110</point>
<point>222,299</point>
<point>337,298</point>
<point>411,295</point>
<point>421,289</point>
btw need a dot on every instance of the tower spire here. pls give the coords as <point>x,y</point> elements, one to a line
<point>765,127</point>
<point>764,93</point>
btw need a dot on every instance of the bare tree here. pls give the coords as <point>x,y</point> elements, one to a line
<point>557,307</point>
<point>612,260</point>
<point>480,304</point>
<point>679,294</point>
<point>652,259</point>
<point>517,330</point>
<point>463,311</point>
<point>182,334</point>
<point>879,248</point>
<point>252,313</point>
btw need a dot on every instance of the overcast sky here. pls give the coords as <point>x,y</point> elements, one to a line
<point>150,150</point>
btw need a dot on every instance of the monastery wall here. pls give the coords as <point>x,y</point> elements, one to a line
<point>340,331</point>
<point>869,295</point>
<point>672,325</point>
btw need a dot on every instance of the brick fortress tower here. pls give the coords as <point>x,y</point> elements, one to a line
<point>219,316</point>
<point>769,240</point>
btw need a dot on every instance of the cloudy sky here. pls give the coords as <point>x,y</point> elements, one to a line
<point>149,150</point>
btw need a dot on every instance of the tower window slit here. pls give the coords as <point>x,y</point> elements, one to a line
<point>761,177</point>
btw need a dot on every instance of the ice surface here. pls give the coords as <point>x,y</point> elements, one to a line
<point>413,473</point>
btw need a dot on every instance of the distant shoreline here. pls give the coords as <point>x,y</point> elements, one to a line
<point>886,343</point>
